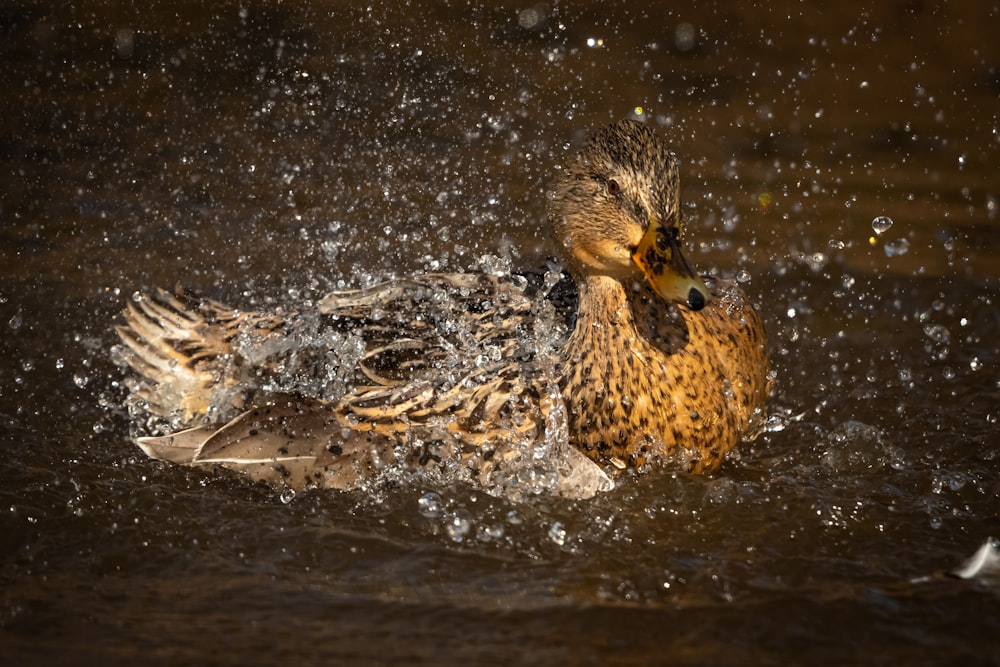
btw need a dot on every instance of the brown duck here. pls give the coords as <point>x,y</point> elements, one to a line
<point>494,377</point>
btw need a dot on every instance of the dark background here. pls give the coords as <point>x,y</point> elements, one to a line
<point>264,152</point>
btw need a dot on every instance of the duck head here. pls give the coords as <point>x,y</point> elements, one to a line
<point>615,211</point>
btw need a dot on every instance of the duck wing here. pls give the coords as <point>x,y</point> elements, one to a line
<point>290,442</point>
<point>442,363</point>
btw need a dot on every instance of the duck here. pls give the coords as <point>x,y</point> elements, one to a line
<point>619,358</point>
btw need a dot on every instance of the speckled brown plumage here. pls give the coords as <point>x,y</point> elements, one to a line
<point>640,375</point>
<point>659,365</point>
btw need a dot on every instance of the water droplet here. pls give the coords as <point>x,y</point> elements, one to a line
<point>15,322</point>
<point>816,261</point>
<point>685,35</point>
<point>881,224</point>
<point>429,505</point>
<point>530,19</point>
<point>80,380</point>
<point>937,332</point>
<point>287,496</point>
<point>775,424</point>
<point>557,533</point>
<point>897,248</point>
<point>458,525</point>
<point>490,533</point>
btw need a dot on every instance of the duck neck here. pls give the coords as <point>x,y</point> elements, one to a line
<point>621,341</point>
<point>605,322</point>
<point>613,373</point>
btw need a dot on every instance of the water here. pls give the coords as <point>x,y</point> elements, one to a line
<point>882,224</point>
<point>266,152</point>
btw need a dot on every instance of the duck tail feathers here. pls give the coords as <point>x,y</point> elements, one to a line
<point>177,346</point>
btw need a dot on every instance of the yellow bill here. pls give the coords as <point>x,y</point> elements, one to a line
<point>659,256</point>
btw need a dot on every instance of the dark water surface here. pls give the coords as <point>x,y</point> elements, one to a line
<point>266,151</point>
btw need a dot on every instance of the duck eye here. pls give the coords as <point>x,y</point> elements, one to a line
<point>614,189</point>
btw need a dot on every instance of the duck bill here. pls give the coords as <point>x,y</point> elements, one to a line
<point>659,256</point>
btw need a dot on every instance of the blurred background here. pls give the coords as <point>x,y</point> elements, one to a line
<point>840,161</point>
